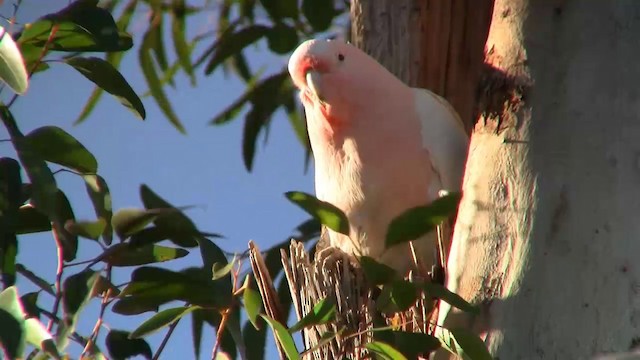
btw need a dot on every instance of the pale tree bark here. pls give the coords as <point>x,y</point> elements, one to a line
<point>548,230</point>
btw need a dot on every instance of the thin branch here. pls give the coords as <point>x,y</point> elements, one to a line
<point>103,307</point>
<point>166,339</point>
<point>58,283</point>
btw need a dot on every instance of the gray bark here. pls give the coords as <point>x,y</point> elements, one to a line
<point>547,234</point>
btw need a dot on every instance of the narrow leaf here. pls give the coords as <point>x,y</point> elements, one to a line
<point>420,220</point>
<point>283,336</point>
<point>323,312</point>
<point>453,299</point>
<point>53,144</point>
<point>233,42</point>
<point>108,78</point>
<point>252,301</point>
<point>155,86</point>
<point>328,214</point>
<point>160,320</point>
<point>12,69</point>
<point>121,255</point>
<point>87,229</point>
<point>120,346</point>
<point>98,191</point>
<point>384,351</point>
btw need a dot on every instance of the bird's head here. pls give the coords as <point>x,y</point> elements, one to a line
<point>332,76</point>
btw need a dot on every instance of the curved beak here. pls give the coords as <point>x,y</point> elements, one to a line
<point>314,83</point>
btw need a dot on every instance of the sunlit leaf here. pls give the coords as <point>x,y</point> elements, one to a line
<point>160,320</point>
<point>283,336</point>
<point>12,69</point>
<point>126,255</point>
<point>252,301</point>
<point>323,312</point>
<point>128,221</point>
<point>87,229</point>
<point>464,343</point>
<point>420,220</point>
<point>12,331</point>
<point>327,213</point>
<point>38,336</point>
<point>98,191</point>
<point>109,79</point>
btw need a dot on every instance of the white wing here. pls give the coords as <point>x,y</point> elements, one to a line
<point>443,135</point>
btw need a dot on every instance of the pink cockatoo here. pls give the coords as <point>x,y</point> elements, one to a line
<point>380,147</point>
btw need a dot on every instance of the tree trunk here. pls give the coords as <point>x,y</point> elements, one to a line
<point>547,231</point>
<point>432,44</point>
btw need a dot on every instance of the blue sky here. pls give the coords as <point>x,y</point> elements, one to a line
<point>203,168</point>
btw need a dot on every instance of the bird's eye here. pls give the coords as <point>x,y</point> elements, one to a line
<point>340,57</point>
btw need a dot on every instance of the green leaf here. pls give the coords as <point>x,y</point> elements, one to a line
<point>43,184</point>
<point>108,78</point>
<point>55,145</point>
<point>328,214</point>
<point>160,320</point>
<point>279,9</point>
<point>412,344</point>
<point>438,291</point>
<point>151,287</point>
<point>197,323</point>
<point>12,69</point>
<point>283,336</point>
<point>257,338</point>
<point>121,255</point>
<point>12,331</point>
<point>252,301</point>
<point>264,105</point>
<point>384,351</point>
<point>397,296</point>
<point>30,220</point>
<point>464,343</point>
<point>319,13</point>
<point>38,336</point>
<point>221,270</point>
<point>420,220</point>
<point>87,229</point>
<point>65,239</point>
<point>177,226</point>
<point>29,303</point>
<point>37,280</point>
<point>231,43</point>
<point>128,221</point>
<point>120,346</point>
<point>81,26</point>
<point>147,236</point>
<point>114,58</point>
<point>377,273</point>
<point>212,254</point>
<point>76,292</point>
<point>178,33</point>
<point>98,191</point>
<point>282,38</point>
<point>323,312</point>
<point>233,329</point>
<point>155,86</point>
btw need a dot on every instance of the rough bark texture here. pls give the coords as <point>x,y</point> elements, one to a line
<point>547,231</point>
<point>433,44</point>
